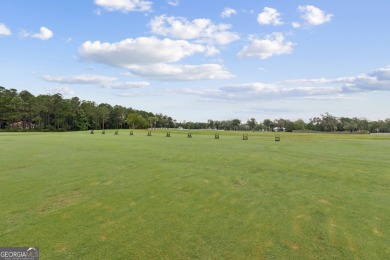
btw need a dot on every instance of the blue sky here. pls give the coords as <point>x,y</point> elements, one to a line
<point>197,60</point>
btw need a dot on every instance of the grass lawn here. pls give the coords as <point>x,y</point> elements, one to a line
<point>83,196</point>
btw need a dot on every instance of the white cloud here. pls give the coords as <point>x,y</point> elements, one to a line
<point>316,89</point>
<point>378,80</point>
<point>252,87</point>
<point>152,58</point>
<point>103,81</point>
<point>139,51</point>
<point>67,40</point>
<point>79,79</point>
<point>269,16</point>
<point>271,45</point>
<point>202,30</point>
<point>211,51</point>
<point>295,25</point>
<point>174,3</point>
<point>125,5</point>
<point>66,91</point>
<point>44,34</point>
<point>127,85</point>
<point>313,15</point>
<point>4,30</point>
<point>228,12</point>
<point>262,91</point>
<point>382,74</point>
<point>169,72</point>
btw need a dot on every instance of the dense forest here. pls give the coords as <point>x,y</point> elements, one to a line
<point>22,111</point>
<point>51,112</point>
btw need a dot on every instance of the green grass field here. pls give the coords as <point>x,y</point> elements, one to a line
<point>83,196</point>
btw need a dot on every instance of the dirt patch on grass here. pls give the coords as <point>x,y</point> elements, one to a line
<point>293,246</point>
<point>351,245</point>
<point>377,232</point>
<point>61,248</point>
<point>61,201</point>
<point>325,201</point>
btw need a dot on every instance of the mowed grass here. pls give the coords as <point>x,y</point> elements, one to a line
<point>309,196</point>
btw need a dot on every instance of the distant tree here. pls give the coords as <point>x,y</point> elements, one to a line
<point>362,124</point>
<point>163,120</point>
<point>137,121</point>
<point>281,123</point>
<point>90,110</point>
<point>76,116</point>
<point>268,124</point>
<point>55,113</point>
<point>210,123</point>
<point>57,107</point>
<point>132,119</point>
<point>299,124</point>
<point>236,124</point>
<point>153,120</point>
<point>315,124</point>
<point>217,124</point>
<point>171,123</point>
<point>142,123</point>
<point>16,106</point>
<point>252,123</point>
<point>329,122</point>
<point>117,117</point>
<point>104,113</point>
<point>288,125</point>
<point>6,95</point>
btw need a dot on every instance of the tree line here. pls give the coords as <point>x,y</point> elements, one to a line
<point>52,112</point>
<point>325,123</point>
<point>22,111</point>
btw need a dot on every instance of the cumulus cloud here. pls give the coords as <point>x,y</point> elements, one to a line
<point>139,51</point>
<point>152,58</point>
<point>44,34</point>
<point>313,15</point>
<point>382,74</point>
<point>103,81</point>
<point>4,30</point>
<point>228,12</point>
<point>202,30</point>
<point>271,45</point>
<point>269,16</point>
<point>125,5</point>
